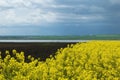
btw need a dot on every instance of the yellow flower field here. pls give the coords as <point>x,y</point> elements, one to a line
<point>94,60</point>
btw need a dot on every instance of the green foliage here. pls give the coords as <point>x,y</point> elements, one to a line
<point>72,37</point>
<point>96,60</point>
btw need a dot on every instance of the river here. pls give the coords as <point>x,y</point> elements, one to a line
<point>46,41</point>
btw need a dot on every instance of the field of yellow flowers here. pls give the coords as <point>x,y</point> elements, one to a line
<point>94,60</point>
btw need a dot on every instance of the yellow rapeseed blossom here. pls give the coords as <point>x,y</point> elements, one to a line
<point>94,60</point>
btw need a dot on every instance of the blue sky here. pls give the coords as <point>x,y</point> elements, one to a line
<point>59,17</point>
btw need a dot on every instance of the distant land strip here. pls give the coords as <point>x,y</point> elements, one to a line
<point>85,37</point>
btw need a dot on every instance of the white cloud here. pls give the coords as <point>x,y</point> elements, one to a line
<point>50,17</point>
<point>20,3</point>
<point>33,16</point>
<point>3,3</point>
<point>60,6</point>
<point>24,12</point>
<point>78,18</point>
<point>30,3</point>
<point>25,3</point>
<point>43,2</point>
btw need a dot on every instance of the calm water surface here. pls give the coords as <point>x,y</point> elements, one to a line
<point>44,41</point>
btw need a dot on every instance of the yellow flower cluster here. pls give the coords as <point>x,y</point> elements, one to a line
<point>94,60</point>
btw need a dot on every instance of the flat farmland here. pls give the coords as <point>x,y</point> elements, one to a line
<point>39,49</point>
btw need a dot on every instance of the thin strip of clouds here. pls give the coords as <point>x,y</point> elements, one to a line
<point>115,1</point>
<point>63,17</point>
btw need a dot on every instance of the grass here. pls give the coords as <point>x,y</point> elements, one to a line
<point>85,37</point>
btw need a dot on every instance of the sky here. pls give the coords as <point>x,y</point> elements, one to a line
<point>59,17</point>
